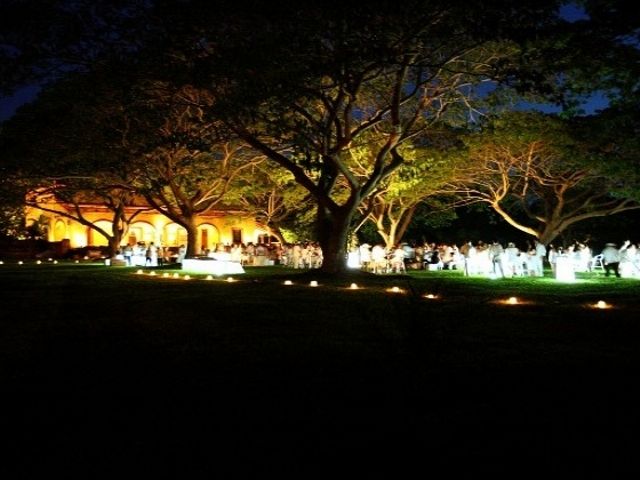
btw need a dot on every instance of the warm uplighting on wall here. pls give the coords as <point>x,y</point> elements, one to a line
<point>313,283</point>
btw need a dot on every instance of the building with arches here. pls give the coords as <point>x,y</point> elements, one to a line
<point>224,226</point>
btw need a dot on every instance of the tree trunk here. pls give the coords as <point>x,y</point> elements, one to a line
<point>550,233</point>
<point>192,237</point>
<point>116,232</point>
<point>114,243</point>
<point>332,233</point>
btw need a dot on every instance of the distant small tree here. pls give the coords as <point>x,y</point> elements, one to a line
<point>273,198</point>
<point>420,178</point>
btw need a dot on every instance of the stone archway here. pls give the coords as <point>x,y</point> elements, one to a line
<point>99,240</point>
<point>174,235</point>
<point>59,230</point>
<point>141,232</point>
<point>208,236</point>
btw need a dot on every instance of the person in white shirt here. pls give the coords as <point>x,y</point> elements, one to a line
<point>611,259</point>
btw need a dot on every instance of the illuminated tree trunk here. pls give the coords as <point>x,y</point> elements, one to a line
<point>332,233</point>
<point>192,236</point>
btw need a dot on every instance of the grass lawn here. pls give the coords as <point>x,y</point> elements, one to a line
<point>105,372</point>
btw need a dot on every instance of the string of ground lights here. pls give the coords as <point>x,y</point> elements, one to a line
<point>509,302</point>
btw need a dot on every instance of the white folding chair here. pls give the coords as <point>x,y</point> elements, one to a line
<point>596,263</point>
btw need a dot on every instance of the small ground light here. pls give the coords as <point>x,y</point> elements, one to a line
<point>288,282</point>
<point>209,277</point>
<point>55,262</point>
<point>602,304</point>
<point>139,272</point>
<point>49,259</point>
<point>512,301</point>
<point>20,262</point>
<point>313,283</point>
<point>86,258</point>
<point>176,275</point>
<point>38,262</point>
<point>395,290</point>
<point>153,274</point>
<point>430,296</point>
<point>354,286</point>
<point>187,277</point>
<point>230,279</point>
<point>1,262</point>
<point>165,275</point>
<point>77,261</point>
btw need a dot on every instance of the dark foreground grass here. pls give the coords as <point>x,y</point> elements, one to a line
<point>105,373</point>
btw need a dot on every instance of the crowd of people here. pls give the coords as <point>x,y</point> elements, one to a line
<point>149,254</point>
<point>491,259</point>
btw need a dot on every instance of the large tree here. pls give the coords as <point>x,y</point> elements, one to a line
<point>543,174</point>
<point>189,167</point>
<point>318,80</point>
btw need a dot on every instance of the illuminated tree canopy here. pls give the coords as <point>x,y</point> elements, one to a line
<point>539,175</point>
